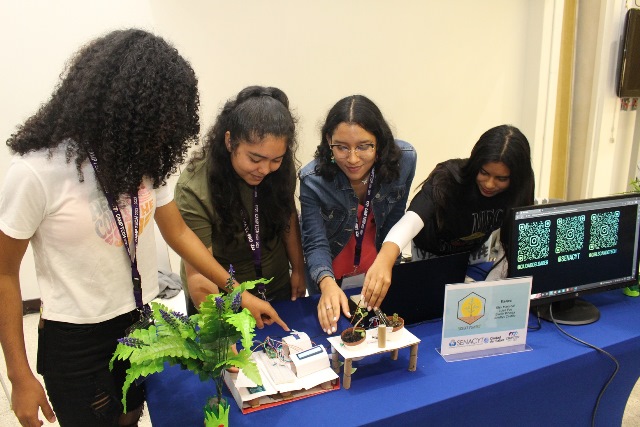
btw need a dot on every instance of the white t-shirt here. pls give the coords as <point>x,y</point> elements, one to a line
<point>83,269</point>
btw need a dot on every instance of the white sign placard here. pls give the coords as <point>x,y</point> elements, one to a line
<point>485,318</point>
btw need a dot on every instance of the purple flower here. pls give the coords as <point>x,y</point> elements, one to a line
<point>220,304</point>
<point>235,304</point>
<point>231,278</point>
<point>131,342</point>
<point>181,317</point>
<point>168,318</point>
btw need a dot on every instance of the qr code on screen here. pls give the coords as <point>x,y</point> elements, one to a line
<point>570,234</point>
<point>604,230</point>
<point>533,240</point>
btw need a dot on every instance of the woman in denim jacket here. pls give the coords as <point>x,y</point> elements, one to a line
<point>351,195</point>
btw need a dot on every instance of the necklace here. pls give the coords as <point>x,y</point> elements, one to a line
<point>365,181</point>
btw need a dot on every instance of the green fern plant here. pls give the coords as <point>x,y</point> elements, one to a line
<point>200,343</point>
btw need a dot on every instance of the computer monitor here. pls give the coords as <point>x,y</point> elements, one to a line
<point>574,248</point>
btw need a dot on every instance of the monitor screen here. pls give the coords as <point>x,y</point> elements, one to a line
<point>573,248</point>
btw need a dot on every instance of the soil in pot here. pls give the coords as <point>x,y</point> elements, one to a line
<point>351,337</point>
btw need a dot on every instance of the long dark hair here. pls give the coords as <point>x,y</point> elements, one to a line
<point>360,110</point>
<point>255,113</point>
<point>504,144</point>
<point>131,99</point>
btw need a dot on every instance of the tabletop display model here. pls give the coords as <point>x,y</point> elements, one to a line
<point>291,369</point>
<point>387,335</point>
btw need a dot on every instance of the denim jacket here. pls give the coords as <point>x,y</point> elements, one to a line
<point>329,213</point>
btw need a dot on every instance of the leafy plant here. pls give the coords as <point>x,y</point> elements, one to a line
<point>396,321</point>
<point>635,185</point>
<point>358,316</point>
<point>200,343</point>
<point>353,334</point>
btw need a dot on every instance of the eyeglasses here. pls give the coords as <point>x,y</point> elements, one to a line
<point>362,151</point>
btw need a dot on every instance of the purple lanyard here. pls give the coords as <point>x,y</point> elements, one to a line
<point>253,239</point>
<point>135,219</point>
<point>359,231</point>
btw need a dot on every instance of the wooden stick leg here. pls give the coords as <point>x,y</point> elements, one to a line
<point>346,378</point>
<point>394,354</point>
<point>335,362</point>
<point>413,357</point>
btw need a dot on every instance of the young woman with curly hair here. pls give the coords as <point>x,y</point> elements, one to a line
<point>237,195</point>
<point>459,205</point>
<point>351,194</point>
<point>85,182</point>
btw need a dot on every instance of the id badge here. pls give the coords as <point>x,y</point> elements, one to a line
<point>144,321</point>
<point>352,281</point>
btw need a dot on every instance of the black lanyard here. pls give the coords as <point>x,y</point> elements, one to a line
<point>359,230</point>
<point>135,222</point>
<point>253,239</point>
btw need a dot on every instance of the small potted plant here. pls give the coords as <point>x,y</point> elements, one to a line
<point>200,343</point>
<point>394,324</point>
<point>355,335</point>
<point>397,323</point>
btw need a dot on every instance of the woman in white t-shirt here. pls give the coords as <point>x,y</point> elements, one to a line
<point>87,178</point>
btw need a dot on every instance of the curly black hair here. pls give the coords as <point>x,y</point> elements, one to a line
<point>360,110</point>
<point>256,112</point>
<point>131,99</point>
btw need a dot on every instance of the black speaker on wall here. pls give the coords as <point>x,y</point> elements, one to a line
<point>629,75</point>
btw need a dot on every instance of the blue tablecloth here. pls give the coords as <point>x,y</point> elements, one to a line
<point>556,384</point>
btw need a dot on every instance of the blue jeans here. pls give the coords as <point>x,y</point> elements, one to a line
<point>74,362</point>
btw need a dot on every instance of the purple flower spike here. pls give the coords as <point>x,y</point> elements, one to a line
<point>181,317</point>
<point>131,342</point>
<point>231,278</point>
<point>167,318</point>
<point>220,304</point>
<point>235,304</point>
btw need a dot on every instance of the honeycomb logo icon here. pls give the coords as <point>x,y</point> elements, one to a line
<point>471,308</point>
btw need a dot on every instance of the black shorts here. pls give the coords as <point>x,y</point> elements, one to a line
<point>74,362</point>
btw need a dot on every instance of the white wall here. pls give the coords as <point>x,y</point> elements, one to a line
<point>604,139</point>
<point>441,71</point>
<point>610,138</point>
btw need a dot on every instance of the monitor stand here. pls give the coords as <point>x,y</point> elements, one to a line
<point>574,311</point>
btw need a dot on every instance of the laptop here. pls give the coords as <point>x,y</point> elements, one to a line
<point>417,288</point>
